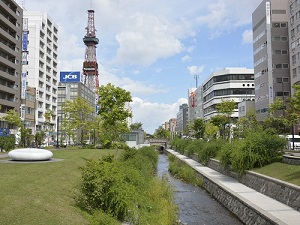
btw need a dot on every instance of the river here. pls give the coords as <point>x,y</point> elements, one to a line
<point>195,205</point>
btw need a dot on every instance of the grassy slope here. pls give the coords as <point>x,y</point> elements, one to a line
<point>44,193</point>
<point>281,171</point>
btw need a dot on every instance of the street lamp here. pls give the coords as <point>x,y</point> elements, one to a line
<point>57,132</point>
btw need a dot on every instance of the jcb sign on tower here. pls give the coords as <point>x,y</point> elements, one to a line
<point>71,76</point>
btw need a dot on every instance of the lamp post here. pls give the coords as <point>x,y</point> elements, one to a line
<point>57,133</point>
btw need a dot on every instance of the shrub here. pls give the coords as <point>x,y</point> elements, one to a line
<point>125,189</point>
<point>210,149</point>
<point>194,146</point>
<point>259,148</point>
<point>180,145</point>
<point>7,143</point>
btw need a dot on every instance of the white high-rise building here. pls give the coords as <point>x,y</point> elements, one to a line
<point>42,71</point>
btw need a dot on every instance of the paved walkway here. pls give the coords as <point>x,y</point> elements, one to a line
<point>275,210</point>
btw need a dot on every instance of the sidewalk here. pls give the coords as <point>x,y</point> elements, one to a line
<point>276,211</point>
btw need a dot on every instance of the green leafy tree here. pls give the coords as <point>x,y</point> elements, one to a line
<point>49,114</point>
<point>13,118</point>
<point>39,138</point>
<point>79,118</point>
<point>211,131</point>
<point>226,108</point>
<point>136,126</point>
<point>199,128</point>
<point>293,109</point>
<point>277,119</point>
<point>219,121</point>
<point>246,124</point>
<point>161,133</point>
<point>113,112</point>
<point>26,138</point>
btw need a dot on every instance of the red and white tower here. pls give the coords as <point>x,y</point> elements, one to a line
<point>90,65</point>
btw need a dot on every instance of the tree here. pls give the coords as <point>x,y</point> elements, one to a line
<point>277,119</point>
<point>226,108</point>
<point>246,124</point>
<point>49,114</point>
<point>113,112</point>
<point>79,118</point>
<point>39,138</point>
<point>161,133</point>
<point>199,127</point>
<point>293,109</point>
<point>211,131</point>
<point>13,118</point>
<point>136,126</point>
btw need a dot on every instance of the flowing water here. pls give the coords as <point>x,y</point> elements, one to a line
<point>195,205</point>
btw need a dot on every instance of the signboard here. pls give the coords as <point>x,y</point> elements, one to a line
<point>24,58</point>
<point>25,24</point>
<point>4,132</point>
<point>70,76</point>
<point>90,66</point>
<point>24,41</point>
<point>23,85</point>
<point>23,112</point>
<point>268,13</point>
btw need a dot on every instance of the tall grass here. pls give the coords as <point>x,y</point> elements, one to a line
<point>127,190</point>
<point>180,170</point>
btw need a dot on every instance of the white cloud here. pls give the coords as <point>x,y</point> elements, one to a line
<point>225,15</point>
<point>133,86</point>
<point>193,70</point>
<point>186,58</point>
<point>147,39</point>
<point>247,37</point>
<point>152,115</point>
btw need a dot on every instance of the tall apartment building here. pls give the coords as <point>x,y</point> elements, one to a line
<point>41,70</point>
<point>228,84</point>
<point>271,54</point>
<point>294,40</point>
<point>11,15</point>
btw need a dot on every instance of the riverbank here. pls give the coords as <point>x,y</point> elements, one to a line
<point>247,204</point>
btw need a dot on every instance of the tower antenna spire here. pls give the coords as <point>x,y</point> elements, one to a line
<point>90,64</point>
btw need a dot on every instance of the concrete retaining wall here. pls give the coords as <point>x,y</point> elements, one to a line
<point>247,213</point>
<point>241,209</point>
<point>286,193</point>
<point>291,160</point>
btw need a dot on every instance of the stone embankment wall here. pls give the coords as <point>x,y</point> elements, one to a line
<point>286,193</point>
<point>291,160</point>
<point>245,211</point>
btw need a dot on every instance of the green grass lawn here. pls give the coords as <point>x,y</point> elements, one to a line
<point>281,171</point>
<point>44,193</point>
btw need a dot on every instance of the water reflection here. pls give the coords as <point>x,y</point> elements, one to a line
<point>195,205</point>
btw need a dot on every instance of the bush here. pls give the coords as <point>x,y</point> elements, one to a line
<point>259,148</point>
<point>126,189</point>
<point>7,143</point>
<point>194,146</point>
<point>210,150</point>
<point>180,145</point>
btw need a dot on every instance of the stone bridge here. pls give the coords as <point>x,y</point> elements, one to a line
<point>159,142</point>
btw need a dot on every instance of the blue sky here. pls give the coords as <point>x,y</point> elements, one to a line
<point>153,48</point>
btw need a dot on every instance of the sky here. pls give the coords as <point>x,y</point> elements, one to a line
<point>154,48</point>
